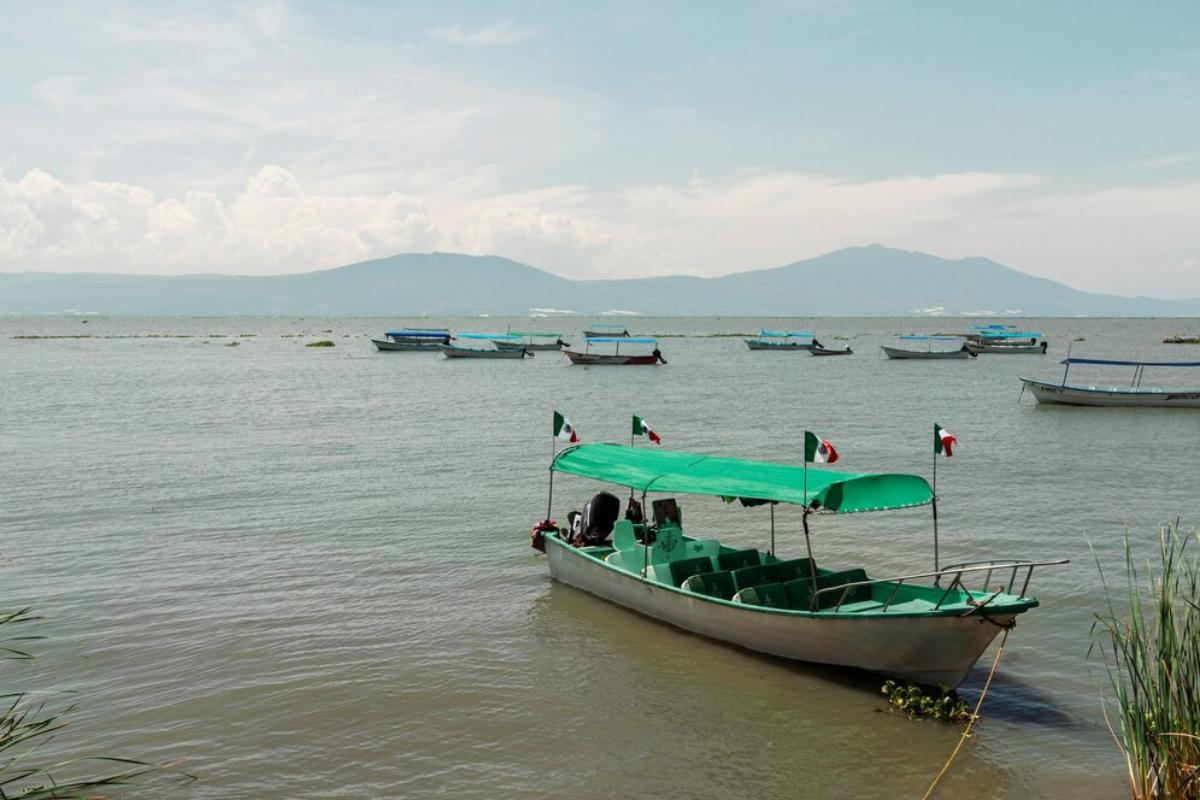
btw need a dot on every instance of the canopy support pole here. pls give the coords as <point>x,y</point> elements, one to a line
<point>645,539</point>
<point>550,499</point>
<point>772,550</point>
<point>812,564</point>
<point>1067,367</point>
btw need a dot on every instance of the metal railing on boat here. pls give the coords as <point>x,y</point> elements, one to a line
<point>957,570</point>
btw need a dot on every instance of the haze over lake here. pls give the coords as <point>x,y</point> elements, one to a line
<point>309,569</point>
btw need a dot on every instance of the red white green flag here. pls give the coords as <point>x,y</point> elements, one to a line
<point>563,429</point>
<point>642,428</point>
<point>943,441</point>
<point>818,450</point>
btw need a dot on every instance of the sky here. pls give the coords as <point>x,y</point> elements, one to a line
<point>603,139</point>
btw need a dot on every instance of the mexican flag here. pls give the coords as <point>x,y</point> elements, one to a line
<point>642,428</point>
<point>563,429</point>
<point>818,450</point>
<point>943,440</point>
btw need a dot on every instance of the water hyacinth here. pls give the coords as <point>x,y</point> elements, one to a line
<point>1151,649</point>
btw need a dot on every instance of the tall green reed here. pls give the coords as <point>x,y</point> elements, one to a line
<point>1151,650</point>
<point>26,725</point>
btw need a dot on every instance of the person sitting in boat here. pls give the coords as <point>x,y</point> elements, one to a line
<point>817,344</point>
<point>633,512</point>
<point>658,355</point>
<point>596,523</point>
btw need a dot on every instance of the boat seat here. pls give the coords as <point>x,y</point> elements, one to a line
<point>857,594</point>
<point>713,584</point>
<point>799,594</point>
<point>738,559</point>
<point>633,560</point>
<point>694,548</point>
<point>862,605</point>
<point>778,572</point>
<point>911,607</point>
<point>771,595</point>
<point>623,535</point>
<point>684,568</point>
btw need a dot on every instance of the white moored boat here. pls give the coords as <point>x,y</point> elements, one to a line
<point>905,626</point>
<point>410,340</point>
<point>909,353</point>
<point>1133,395</point>
<point>516,340</point>
<point>1004,339</point>
<point>783,341</point>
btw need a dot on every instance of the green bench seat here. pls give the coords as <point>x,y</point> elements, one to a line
<point>738,559</point>
<point>711,584</point>
<point>771,595</point>
<point>779,572</point>
<point>685,568</point>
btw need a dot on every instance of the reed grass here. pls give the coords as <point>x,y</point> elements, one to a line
<point>1150,643</point>
<point>320,343</point>
<point>26,725</point>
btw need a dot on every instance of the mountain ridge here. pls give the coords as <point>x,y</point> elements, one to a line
<point>870,280</point>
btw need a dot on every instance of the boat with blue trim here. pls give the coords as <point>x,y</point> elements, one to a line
<point>785,341</point>
<point>1135,394</point>
<point>910,353</point>
<point>413,340</point>
<point>616,358</point>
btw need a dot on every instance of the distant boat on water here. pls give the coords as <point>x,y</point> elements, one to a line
<point>1133,395</point>
<point>616,358</point>
<point>1004,339</point>
<point>601,329</point>
<point>909,353</point>
<point>414,340</point>
<point>786,341</point>
<point>516,340</point>
<point>456,351</point>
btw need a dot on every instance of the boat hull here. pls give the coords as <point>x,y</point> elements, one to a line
<point>540,347</point>
<point>1015,349</point>
<point>1054,393</point>
<point>609,359</point>
<point>900,354</point>
<point>825,351</point>
<point>932,650</point>
<point>450,351</point>
<point>405,347</point>
<point>596,334</point>
<point>756,344</point>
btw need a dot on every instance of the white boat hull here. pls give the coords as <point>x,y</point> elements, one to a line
<point>900,354</point>
<point>1111,396</point>
<point>931,650</point>
<point>1017,349</point>
<point>757,344</point>
<point>407,347</point>
<point>451,351</point>
<point>540,347</point>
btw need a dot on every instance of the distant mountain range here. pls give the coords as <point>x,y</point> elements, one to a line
<point>856,281</point>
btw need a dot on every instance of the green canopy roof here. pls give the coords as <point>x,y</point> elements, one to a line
<point>658,470</point>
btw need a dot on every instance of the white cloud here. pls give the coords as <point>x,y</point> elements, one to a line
<point>275,223</point>
<point>501,34</point>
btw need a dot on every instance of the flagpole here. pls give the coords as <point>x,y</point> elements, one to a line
<point>936,560</point>
<point>812,564</point>
<point>553,455</point>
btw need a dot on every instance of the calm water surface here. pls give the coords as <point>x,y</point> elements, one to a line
<point>305,572</point>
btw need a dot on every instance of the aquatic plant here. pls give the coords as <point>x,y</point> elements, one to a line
<point>26,725</point>
<point>321,343</point>
<point>1151,651</point>
<point>232,344</point>
<point>917,702</point>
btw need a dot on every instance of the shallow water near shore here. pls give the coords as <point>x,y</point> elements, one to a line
<point>305,572</point>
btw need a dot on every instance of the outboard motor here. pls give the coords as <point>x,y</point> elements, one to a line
<point>599,516</point>
<point>1044,346</point>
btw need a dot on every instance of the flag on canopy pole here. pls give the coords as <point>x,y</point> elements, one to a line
<point>943,441</point>
<point>818,450</point>
<point>642,428</point>
<point>563,429</point>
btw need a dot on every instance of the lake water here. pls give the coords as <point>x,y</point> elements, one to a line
<point>306,572</point>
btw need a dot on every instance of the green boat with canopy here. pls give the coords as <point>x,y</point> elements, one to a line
<point>929,627</point>
<point>530,340</point>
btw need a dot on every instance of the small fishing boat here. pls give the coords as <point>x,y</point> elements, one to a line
<point>414,340</point>
<point>1004,339</point>
<point>830,351</point>
<point>515,340</point>
<point>605,329</point>
<point>1133,395</point>
<point>786,341</point>
<point>906,353</point>
<point>616,358</point>
<point>454,351</point>
<point>1182,340</point>
<point>928,626</point>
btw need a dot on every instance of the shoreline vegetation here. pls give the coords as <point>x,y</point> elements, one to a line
<point>27,724</point>
<point>1149,641</point>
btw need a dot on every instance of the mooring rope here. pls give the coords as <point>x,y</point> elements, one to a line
<point>974,717</point>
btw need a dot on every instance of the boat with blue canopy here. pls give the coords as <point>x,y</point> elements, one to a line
<point>1135,394</point>
<point>515,340</point>
<point>912,350</point>
<point>1005,340</point>
<point>413,340</point>
<point>601,357</point>
<point>930,626</point>
<point>606,329</point>
<point>787,341</point>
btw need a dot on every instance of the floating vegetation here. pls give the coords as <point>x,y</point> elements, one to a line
<point>1151,650</point>
<point>321,343</point>
<point>1182,340</point>
<point>1079,339</point>
<point>916,702</point>
<point>232,344</point>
